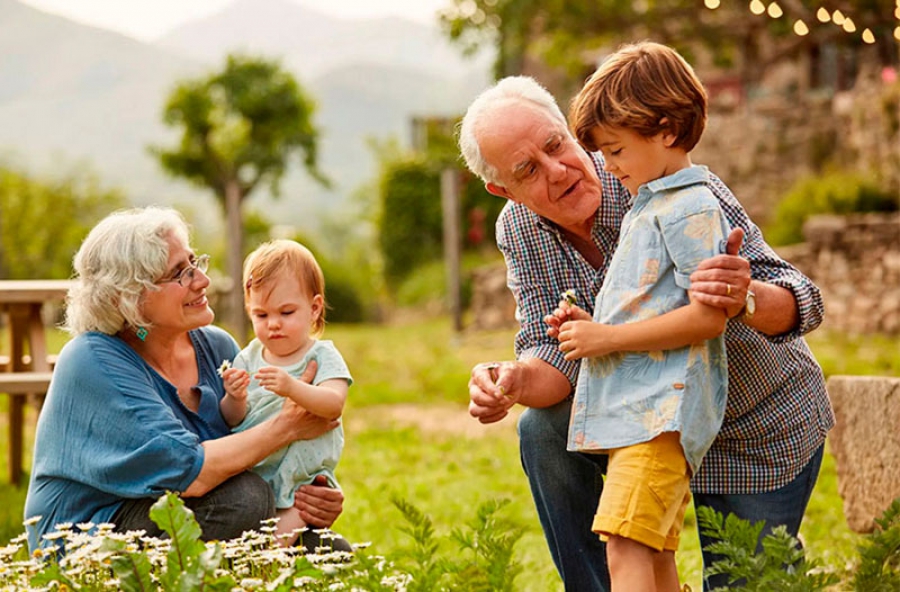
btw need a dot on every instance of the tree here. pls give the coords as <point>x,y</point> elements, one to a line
<point>43,222</point>
<point>239,129</point>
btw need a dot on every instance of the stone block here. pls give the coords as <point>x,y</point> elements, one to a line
<point>865,443</point>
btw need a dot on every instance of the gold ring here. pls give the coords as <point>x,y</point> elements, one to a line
<point>728,289</point>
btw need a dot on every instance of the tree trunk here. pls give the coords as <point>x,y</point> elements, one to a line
<point>236,319</point>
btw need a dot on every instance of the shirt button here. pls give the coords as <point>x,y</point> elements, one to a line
<point>678,385</point>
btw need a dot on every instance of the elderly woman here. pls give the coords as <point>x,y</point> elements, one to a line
<point>133,408</point>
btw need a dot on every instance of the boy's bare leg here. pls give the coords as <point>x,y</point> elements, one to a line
<point>666,572</point>
<point>632,566</point>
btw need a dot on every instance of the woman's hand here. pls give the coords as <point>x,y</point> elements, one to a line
<point>318,504</point>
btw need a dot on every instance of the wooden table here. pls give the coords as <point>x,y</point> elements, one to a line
<point>28,371</point>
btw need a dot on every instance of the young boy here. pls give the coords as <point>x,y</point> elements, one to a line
<point>651,391</point>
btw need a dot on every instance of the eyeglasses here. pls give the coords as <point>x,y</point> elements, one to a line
<point>186,275</point>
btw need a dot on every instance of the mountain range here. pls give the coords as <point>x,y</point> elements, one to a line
<point>75,97</point>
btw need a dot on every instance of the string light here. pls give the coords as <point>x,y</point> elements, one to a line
<point>801,29</point>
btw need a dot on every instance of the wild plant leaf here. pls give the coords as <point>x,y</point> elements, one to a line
<point>170,515</point>
<point>131,569</point>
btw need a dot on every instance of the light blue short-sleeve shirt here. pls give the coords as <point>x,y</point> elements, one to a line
<point>301,461</point>
<point>627,398</point>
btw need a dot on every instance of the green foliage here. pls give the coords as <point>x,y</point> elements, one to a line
<point>780,565</point>
<point>831,193</point>
<point>44,222</point>
<point>879,565</point>
<point>488,539</point>
<point>240,125</point>
<point>564,32</point>
<point>410,221</point>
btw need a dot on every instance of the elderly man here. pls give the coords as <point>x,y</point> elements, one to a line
<point>557,233</point>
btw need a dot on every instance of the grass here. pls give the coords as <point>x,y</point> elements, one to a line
<point>408,435</point>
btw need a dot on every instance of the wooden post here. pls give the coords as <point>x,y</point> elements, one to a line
<point>237,320</point>
<point>450,208</point>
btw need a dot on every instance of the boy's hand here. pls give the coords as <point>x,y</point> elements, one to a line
<point>583,339</point>
<point>564,312</point>
<point>236,381</point>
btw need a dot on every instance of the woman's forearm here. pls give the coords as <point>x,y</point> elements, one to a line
<point>227,456</point>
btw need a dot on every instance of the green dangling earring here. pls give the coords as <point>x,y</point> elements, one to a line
<point>142,333</point>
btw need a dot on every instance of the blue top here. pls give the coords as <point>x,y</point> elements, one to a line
<point>299,462</point>
<point>113,429</point>
<point>626,398</point>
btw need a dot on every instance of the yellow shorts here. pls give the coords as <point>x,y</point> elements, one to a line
<point>646,493</point>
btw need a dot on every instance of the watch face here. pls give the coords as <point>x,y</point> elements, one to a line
<point>751,303</point>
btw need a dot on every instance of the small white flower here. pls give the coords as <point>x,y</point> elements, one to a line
<point>225,366</point>
<point>570,296</point>
<point>32,520</point>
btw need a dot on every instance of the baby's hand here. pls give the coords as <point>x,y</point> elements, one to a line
<point>236,381</point>
<point>275,379</point>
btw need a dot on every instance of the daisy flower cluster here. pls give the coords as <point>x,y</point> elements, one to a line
<point>94,557</point>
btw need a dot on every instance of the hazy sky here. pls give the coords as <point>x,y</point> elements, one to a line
<point>148,19</point>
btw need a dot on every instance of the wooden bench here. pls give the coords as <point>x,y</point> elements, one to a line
<point>19,386</point>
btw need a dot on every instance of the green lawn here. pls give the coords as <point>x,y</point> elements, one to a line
<point>408,435</point>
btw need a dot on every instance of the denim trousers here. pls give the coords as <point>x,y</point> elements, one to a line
<point>566,488</point>
<point>238,504</point>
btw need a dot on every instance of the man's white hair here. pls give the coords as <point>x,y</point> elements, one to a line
<point>512,89</point>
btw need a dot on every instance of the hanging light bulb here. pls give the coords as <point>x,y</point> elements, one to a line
<point>712,4</point>
<point>838,17</point>
<point>800,28</point>
<point>824,16</point>
<point>849,25</point>
<point>775,10</point>
<point>757,7</point>
<point>867,36</point>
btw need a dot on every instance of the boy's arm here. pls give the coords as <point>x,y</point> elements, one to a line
<point>325,399</point>
<point>681,327</point>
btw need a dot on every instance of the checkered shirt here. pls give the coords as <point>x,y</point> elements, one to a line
<point>778,411</point>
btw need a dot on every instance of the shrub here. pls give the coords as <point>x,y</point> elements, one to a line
<point>832,193</point>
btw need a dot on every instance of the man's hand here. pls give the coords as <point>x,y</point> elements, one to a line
<point>318,504</point>
<point>722,281</point>
<point>493,389</point>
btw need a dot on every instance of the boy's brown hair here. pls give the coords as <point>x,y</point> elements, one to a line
<point>278,258</point>
<point>645,87</point>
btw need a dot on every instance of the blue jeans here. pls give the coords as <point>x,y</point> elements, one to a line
<point>566,487</point>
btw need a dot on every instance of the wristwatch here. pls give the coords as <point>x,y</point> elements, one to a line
<point>749,306</point>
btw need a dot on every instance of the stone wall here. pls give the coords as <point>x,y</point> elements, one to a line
<point>855,261</point>
<point>865,442</point>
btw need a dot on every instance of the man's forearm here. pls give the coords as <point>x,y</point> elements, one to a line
<point>776,309</point>
<point>542,384</point>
